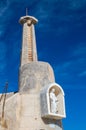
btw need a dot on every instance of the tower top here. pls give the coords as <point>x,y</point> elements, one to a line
<point>26,18</point>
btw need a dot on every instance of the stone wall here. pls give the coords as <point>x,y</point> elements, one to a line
<point>34,76</point>
<point>22,112</point>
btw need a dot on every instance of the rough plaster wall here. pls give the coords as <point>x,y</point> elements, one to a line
<point>10,115</point>
<point>34,76</point>
<point>22,112</point>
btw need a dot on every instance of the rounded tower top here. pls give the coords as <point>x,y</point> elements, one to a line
<point>27,18</point>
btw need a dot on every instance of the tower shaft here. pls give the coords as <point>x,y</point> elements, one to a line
<point>29,52</point>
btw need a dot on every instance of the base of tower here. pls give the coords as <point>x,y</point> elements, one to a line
<point>22,112</point>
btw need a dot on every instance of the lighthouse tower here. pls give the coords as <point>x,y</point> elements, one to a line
<point>39,104</point>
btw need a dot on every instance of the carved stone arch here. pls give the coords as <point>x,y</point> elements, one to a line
<point>57,86</point>
<point>46,104</point>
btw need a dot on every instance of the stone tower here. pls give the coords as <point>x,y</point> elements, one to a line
<point>37,81</point>
<point>39,104</point>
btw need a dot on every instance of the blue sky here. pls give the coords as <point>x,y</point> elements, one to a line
<point>61,41</point>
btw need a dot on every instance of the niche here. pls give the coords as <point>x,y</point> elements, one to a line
<point>52,102</point>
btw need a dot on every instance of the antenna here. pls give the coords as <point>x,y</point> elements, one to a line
<point>26,11</point>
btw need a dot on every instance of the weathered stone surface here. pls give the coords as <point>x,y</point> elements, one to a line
<point>10,117</point>
<point>22,112</point>
<point>34,76</point>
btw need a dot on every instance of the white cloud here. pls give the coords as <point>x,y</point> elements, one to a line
<point>79,50</point>
<point>64,65</point>
<point>82,74</point>
<point>62,69</point>
<point>76,4</point>
<point>4,7</point>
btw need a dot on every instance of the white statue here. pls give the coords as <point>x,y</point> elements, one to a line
<point>53,101</point>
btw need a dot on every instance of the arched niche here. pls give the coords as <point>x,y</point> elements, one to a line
<point>51,108</point>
